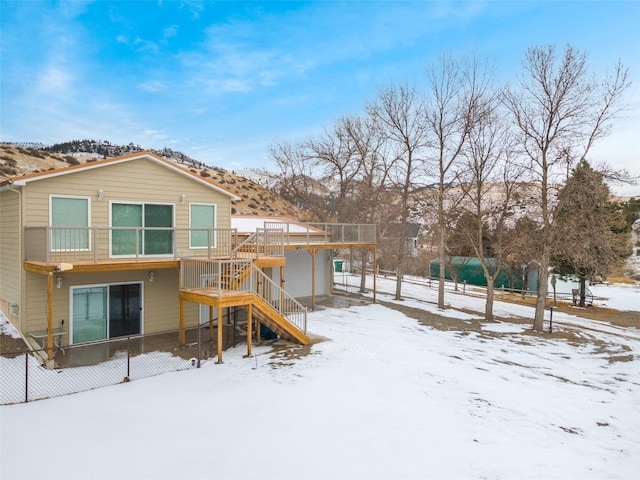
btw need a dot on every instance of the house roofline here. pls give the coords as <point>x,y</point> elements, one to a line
<point>31,177</point>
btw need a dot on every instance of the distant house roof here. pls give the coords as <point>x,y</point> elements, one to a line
<point>32,177</point>
<point>394,230</point>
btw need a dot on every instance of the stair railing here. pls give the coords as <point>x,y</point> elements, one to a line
<point>247,245</point>
<point>281,301</point>
<point>215,276</point>
<point>263,242</point>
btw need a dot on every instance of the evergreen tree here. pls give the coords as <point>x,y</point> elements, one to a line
<point>589,231</point>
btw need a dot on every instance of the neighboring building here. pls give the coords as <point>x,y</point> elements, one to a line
<point>137,244</point>
<point>411,235</point>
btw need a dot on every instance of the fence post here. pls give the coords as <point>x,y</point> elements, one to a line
<point>128,359</point>
<point>26,377</point>
<point>199,343</point>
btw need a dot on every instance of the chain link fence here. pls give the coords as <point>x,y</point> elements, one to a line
<point>24,376</point>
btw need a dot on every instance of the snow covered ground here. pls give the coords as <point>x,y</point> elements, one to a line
<point>386,397</point>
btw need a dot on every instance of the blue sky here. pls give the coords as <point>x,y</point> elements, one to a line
<point>221,81</point>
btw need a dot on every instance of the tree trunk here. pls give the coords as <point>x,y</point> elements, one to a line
<point>583,291</point>
<point>541,300</point>
<point>488,307</point>
<point>399,276</point>
<point>441,251</point>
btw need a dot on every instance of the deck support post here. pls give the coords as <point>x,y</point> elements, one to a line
<point>375,273</point>
<point>249,326</point>
<point>219,335</point>
<point>211,322</point>
<point>181,336</point>
<point>50,315</point>
<point>313,252</point>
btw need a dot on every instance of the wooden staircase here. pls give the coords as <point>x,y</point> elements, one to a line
<point>232,278</point>
<point>278,310</point>
<point>276,322</point>
<point>241,283</point>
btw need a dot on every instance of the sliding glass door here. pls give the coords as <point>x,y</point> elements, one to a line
<point>124,310</point>
<point>106,311</point>
<point>89,318</point>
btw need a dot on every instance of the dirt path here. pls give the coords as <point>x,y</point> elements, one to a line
<point>609,315</point>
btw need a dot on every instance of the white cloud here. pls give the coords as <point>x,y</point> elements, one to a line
<point>145,45</point>
<point>54,80</point>
<point>171,31</point>
<point>153,86</point>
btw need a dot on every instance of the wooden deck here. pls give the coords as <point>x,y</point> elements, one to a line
<point>252,302</point>
<point>142,264</point>
<point>216,298</point>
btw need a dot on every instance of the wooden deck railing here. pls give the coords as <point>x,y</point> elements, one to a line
<point>339,233</point>
<point>53,245</point>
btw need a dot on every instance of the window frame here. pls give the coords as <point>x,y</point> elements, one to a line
<point>191,232</point>
<point>87,198</point>
<point>107,286</point>
<point>143,204</point>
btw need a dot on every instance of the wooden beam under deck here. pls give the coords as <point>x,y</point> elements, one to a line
<point>266,262</point>
<point>89,267</point>
<point>43,268</point>
<point>229,298</point>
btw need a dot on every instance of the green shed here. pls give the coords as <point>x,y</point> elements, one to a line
<point>469,269</point>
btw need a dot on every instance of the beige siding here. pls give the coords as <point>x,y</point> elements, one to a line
<point>134,181</point>
<point>10,254</point>
<point>140,180</point>
<point>160,299</point>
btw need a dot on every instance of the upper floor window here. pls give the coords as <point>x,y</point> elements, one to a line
<point>69,219</point>
<point>202,220</point>
<point>141,229</point>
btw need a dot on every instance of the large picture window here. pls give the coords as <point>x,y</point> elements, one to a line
<point>70,221</point>
<point>202,218</point>
<point>141,229</point>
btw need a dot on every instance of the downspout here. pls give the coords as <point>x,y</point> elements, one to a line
<point>23,296</point>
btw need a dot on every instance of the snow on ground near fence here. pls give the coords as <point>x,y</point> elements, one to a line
<point>384,398</point>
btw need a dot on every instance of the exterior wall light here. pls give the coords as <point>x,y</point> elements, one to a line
<point>59,281</point>
<point>183,199</point>
<point>152,275</point>
<point>100,194</point>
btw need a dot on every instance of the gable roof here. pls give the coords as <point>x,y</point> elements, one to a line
<point>394,230</point>
<point>32,177</point>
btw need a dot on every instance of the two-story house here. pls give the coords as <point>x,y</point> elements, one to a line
<point>137,244</point>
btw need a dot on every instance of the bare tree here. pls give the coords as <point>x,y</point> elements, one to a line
<point>320,174</point>
<point>340,176</point>
<point>295,179</point>
<point>559,112</point>
<point>399,112</point>
<point>456,89</point>
<point>336,155</point>
<point>489,182</point>
<point>370,188</point>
